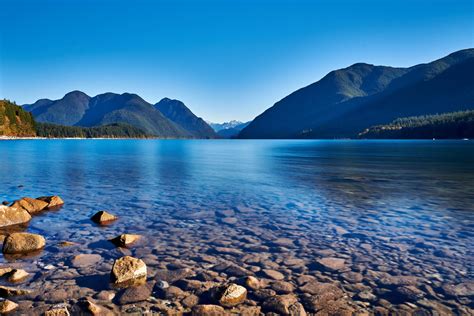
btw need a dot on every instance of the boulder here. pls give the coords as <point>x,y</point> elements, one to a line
<point>103,217</point>
<point>125,240</point>
<point>32,206</point>
<point>7,306</point>
<point>231,295</point>
<point>13,216</point>
<point>53,201</point>
<point>16,243</point>
<point>128,271</point>
<point>208,310</point>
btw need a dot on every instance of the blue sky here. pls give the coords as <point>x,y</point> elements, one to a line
<point>225,59</point>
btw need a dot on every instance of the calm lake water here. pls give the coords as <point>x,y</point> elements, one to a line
<point>388,208</point>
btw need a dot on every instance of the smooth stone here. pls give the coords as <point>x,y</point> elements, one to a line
<point>7,306</point>
<point>85,260</point>
<point>13,216</point>
<point>53,201</point>
<point>134,294</point>
<point>273,274</point>
<point>18,275</point>
<point>128,271</point>
<point>32,206</point>
<point>208,310</point>
<point>190,301</point>
<point>125,240</point>
<point>282,287</point>
<point>103,217</point>
<point>16,243</point>
<point>229,220</point>
<point>105,295</point>
<point>231,295</point>
<point>172,276</point>
<point>332,264</point>
<point>284,305</point>
<point>252,282</point>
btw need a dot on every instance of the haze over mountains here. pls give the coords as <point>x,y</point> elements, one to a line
<point>78,109</point>
<point>229,129</point>
<point>347,101</point>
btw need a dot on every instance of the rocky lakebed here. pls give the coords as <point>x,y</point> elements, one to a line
<point>228,261</point>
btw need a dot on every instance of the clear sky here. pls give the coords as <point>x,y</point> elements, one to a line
<point>225,59</point>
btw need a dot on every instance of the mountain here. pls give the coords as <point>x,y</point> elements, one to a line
<point>78,109</point>
<point>347,101</point>
<point>454,125</point>
<point>226,125</point>
<point>232,132</point>
<point>14,121</point>
<point>178,113</point>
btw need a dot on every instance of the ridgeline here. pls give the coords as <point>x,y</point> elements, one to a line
<point>453,125</point>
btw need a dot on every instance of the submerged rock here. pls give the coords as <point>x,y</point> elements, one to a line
<point>273,274</point>
<point>231,295</point>
<point>284,305</point>
<point>32,206</point>
<point>172,276</point>
<point>6,291</point>
<point>208,310</point>
<point>135,294</point>
<point>7,306</point>
<point>332,264</point>
<point>125,240</point>
<point>13,216</point>
<point>103,217</point>
<point>16,243</point>
<point>85,260</point>
<point>128,271</point>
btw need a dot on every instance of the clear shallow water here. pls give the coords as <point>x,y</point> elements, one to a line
<point>386,207</point>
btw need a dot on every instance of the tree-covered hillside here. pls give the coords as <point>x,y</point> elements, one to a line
<point>454,125</point>
<point>117,130</point>
<point>14,121</point>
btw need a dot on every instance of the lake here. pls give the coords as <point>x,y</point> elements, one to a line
<point>388,224</point>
